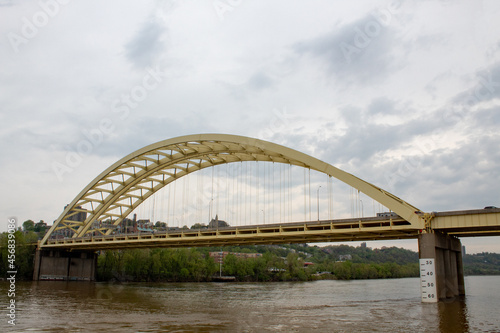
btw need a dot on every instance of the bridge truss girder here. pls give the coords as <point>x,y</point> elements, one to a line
<point>126,184</point>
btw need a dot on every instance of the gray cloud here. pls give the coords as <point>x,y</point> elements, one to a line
<point>260,81</point>
<point>147,130</point>
<point>359,52</point>
<point>146,46</point>
<point>365,137</point>
<point>6,3</point>
<point>487,118</point>
<point>382,105</point>
<point>487,87</point>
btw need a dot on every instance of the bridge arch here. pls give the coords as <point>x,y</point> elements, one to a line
<point>126,184</point>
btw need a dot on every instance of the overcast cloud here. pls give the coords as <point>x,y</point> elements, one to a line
<point>404,95</point>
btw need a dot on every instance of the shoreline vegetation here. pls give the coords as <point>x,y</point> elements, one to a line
<point>296,262</point>
<point>276,263</point>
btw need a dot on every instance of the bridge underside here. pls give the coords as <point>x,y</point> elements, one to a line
<point>371,228</point>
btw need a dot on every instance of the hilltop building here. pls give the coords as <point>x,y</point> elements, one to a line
<point>216,223</point>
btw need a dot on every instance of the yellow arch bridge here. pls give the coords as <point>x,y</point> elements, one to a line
<point>125,185</point>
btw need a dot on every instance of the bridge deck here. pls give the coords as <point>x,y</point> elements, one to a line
<point>479,222</point>
<point>369,228</point>
<point>468,223</point>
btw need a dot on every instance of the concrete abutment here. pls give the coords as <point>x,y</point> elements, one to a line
<point>65,265</point>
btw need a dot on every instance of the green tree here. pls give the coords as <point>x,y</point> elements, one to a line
<point>28,225</point>
<point>24,252</point>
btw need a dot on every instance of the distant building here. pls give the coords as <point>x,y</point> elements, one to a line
<point>387,214</point>
<point>219,256</point>
<point>345,257</point>
<point>77,215</point>
<point>363,245</point>
<point>216,223</point>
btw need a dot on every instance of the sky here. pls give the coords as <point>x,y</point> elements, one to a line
<point>405,95</point>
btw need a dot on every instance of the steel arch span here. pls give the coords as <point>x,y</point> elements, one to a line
<point>126,184</point>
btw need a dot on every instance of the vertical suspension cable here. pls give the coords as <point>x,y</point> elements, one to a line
<point>332,202</point>
<point>310,217</point>
<point>174,220</point>
<point>159,206</point>
<point>273,194</point>
<point>250,190</point>
<point>203,195</point>
<point>257,181</point>
<point>245,186</point>
<point>217,196</point>
<point>285,207</point>
<point>239,192</point>
<point>328,194</point>
<point>305,196</point>
<point>291,193</point>
<point>211,202</point>
<point>350,201</point>
<point>153,207</point>
<point>162,217</point>
<point>264,193</point>
<point>287,193</point>
<point>357,204</point>
<point>291,178</point>
<point>211,195</point>
<point>199,196</point>
<point>169,198</point>
<point>268,193</point>
<point>188,201</point>
<point>272,181</point>
<point>233,204</point>
<point>227,193</point>
<point>184,199</point>
<point>289,211</point>
<point>281,185</point>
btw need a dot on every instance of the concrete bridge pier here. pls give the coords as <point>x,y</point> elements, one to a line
<point>61,265</point>
<point>441,268</point>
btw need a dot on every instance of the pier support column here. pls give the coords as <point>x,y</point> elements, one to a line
<point>61,265</point>
<point>441,268</point>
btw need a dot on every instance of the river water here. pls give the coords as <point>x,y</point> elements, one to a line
<point>321,306</point>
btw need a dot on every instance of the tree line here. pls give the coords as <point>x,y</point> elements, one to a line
<point>277,263</point>
<point>482,264</point>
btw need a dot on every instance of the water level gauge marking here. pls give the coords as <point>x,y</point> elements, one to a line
<point>428,280</point>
